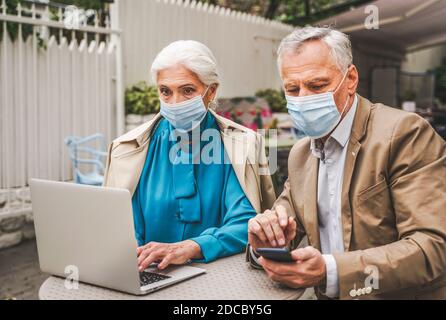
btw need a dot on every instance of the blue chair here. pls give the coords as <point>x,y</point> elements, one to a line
<point>81,153</point>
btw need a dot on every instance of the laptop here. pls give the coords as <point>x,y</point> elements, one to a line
<point>90,230</point>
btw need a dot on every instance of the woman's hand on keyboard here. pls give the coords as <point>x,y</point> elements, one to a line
<point>167,253</point>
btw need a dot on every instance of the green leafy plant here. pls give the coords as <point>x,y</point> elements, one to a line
<point>87,4</point>
<point>296,12</point>
<point>142,99</point>
<point>27,29</point>
<point>275,98</point>
<point>237,100</point>
<point>409,95</point>
<point>12,28</point>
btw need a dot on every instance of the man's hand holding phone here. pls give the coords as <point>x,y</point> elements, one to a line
<point>272,229</point>
<point>301,268</point>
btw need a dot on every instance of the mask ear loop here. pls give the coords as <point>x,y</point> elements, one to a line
<point>342,81</point>
<point>212,104</point>
<point>348,97</point>
<point>206,92</point>
<point>345,106</point>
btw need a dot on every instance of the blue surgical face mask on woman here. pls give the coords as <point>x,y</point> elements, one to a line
<point>316,115</point>
<point>185,115</point>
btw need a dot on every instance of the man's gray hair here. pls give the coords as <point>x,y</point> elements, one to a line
<point>192,55</point>
<point>338,42</point>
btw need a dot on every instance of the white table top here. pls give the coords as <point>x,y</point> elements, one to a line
<point>225,279</point>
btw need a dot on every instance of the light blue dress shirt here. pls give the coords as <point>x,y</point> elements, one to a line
<point>332,157</point>
<point>178,200</point>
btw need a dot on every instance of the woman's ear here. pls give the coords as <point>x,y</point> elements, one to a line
<point>213,91</point>
<point>211,94</point>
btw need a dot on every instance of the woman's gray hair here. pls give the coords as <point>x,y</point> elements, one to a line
<point>193,55</point>
<point>338,42</point>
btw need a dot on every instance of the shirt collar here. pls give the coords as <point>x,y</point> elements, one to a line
<point>341,134</point>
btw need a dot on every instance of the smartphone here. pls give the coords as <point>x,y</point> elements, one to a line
<point>275,254</point>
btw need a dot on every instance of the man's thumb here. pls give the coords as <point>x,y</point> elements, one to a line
<point>302,253</point>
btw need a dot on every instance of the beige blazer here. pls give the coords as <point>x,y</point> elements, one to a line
<point>393,205</point>
<point>245,149</point>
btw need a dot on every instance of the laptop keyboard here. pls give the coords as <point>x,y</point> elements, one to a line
<point>147,278</point>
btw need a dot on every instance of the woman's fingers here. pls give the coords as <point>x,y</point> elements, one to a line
<point>143,255</point>
<point>139,250</point>
<point>148,249</point>
<point>165,262</point>
<point>165,254</point>
<point>148,246</point>
<point>151,258</point>
<point>170,258</point>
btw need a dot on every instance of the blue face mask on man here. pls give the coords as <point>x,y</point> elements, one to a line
<point>185,115</point>
<point>315,115</point>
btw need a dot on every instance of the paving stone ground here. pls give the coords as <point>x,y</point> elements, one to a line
<point>20,275</point>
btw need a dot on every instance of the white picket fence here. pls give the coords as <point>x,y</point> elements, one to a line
<point>47,94</point>
<point>244,45</point>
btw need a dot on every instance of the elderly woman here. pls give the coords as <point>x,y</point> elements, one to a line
<point>187,209</point>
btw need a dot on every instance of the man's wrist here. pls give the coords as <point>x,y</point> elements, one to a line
<point>254,255</point>
<point>323,282</point>
<point>331,287</point>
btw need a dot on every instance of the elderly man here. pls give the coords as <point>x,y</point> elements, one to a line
<point>367,185</point>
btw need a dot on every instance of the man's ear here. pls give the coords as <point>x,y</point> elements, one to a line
<point>352,80</point>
